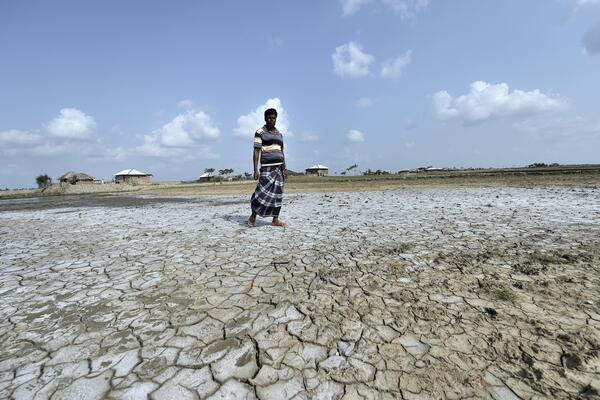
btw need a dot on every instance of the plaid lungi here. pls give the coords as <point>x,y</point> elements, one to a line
<point>267,198</point>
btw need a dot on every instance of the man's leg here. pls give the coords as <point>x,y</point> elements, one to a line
<point>278,222</point>
<point>252,220</point>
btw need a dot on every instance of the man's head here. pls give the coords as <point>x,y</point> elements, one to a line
<point>270,117</point>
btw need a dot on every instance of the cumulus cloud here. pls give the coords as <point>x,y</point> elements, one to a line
<point>350,7</point>
<point>14,138</point>
<point>309,137</point>
<point>578,4</point>
<point>71,124</point>
<point>591,39</point>
<point>565,126</point>
<point>364,102</point>
<point>186,104</point>
<point>392,69</point>
<point>406,8</point>
<point>349,61</point>
<point>69,133</point>
<point>186,131</point>
<point>494,101</point>
<point>248,123</point>
<point>355,136</point>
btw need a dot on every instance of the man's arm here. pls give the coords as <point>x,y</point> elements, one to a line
<point>285,171</point>
<point>255,158</point>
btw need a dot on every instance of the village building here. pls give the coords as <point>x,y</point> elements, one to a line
<point>132,177</point>
<point>205,177</point>
<point>318,170</point>
<point>75,178</point>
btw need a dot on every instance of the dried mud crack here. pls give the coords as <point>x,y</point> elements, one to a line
<point>414,294</point>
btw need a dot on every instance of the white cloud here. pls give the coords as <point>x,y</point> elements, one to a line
<point>350,7</point>
<point>309,137</point>
<point>392,69</point>
<point>276,42</point>
<point>565,126</point>
<point>247,124</point>
<point>591,39</point>
<point>52,149</point>
<point>60,137</point>
<point>406,8</point>
<point>364,102</point>
<point>578,4</point>
<point>71,124</point>
<point>15,138</point>
<point>181,135</point>
<point>355,136</point>
<point>186,104</point>
<point>349,61</point>
<point>494,101</point>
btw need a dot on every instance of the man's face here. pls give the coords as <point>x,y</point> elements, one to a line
<point>270,120</point>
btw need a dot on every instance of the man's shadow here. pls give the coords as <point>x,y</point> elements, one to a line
<point>241,220</point>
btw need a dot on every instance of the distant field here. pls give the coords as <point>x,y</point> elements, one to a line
<point>588,175</point>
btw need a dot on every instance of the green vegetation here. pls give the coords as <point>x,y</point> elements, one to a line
<point>503,294</point>
<point>545,259</point>
<point>43,181</point>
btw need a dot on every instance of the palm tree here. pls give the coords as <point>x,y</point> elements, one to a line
<point>350,168</point>
<point>209,170</point>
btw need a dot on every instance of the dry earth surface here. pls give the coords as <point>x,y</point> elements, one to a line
<point>416,293</point>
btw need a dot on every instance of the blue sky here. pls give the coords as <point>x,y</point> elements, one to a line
<point>172,88</point>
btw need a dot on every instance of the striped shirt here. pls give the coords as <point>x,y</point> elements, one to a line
<point>270,143</point>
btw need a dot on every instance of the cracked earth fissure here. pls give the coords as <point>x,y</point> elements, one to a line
<point>456,293</point>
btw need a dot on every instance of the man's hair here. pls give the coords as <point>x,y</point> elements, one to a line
<point>270,111</point>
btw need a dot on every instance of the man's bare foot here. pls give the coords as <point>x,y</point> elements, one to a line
<point>279,222</point>
<point>251,222</point>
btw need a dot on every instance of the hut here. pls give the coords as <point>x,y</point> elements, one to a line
<point>205,177</point>
<point>317,170</point>
<point>75,178</point>
<point>132,177</point>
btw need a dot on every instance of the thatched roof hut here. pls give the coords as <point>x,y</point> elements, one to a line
<point>75,178</point>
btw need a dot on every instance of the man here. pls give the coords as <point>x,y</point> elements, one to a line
<point>268,147</point>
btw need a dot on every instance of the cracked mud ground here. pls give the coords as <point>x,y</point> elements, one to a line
<point>414,294</point>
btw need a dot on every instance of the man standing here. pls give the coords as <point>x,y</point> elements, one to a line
<point>268,147</point>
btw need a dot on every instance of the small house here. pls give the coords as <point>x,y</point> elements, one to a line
<point>317,170</point>
<point>132,177</point>
<point>75,178</point>
<point>205,177</point>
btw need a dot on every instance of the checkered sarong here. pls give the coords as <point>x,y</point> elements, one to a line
<point>267,198</point>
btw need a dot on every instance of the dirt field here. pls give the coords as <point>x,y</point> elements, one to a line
<point>452,291</point>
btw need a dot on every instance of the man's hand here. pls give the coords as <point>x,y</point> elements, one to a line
<point>285,173</point>
<point>256,174</point>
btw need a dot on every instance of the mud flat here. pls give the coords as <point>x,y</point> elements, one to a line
<point>415,293</point>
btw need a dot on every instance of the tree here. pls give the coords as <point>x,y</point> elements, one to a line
<point>247,175</point>
<point>43,181</point>
<point>209,170</point>
<point>222,171</point>
<point>350,168</point>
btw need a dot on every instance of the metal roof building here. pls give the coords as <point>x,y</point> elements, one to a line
<point>132,177</point>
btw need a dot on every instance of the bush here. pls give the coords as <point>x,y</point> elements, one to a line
<point>43,181</point>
